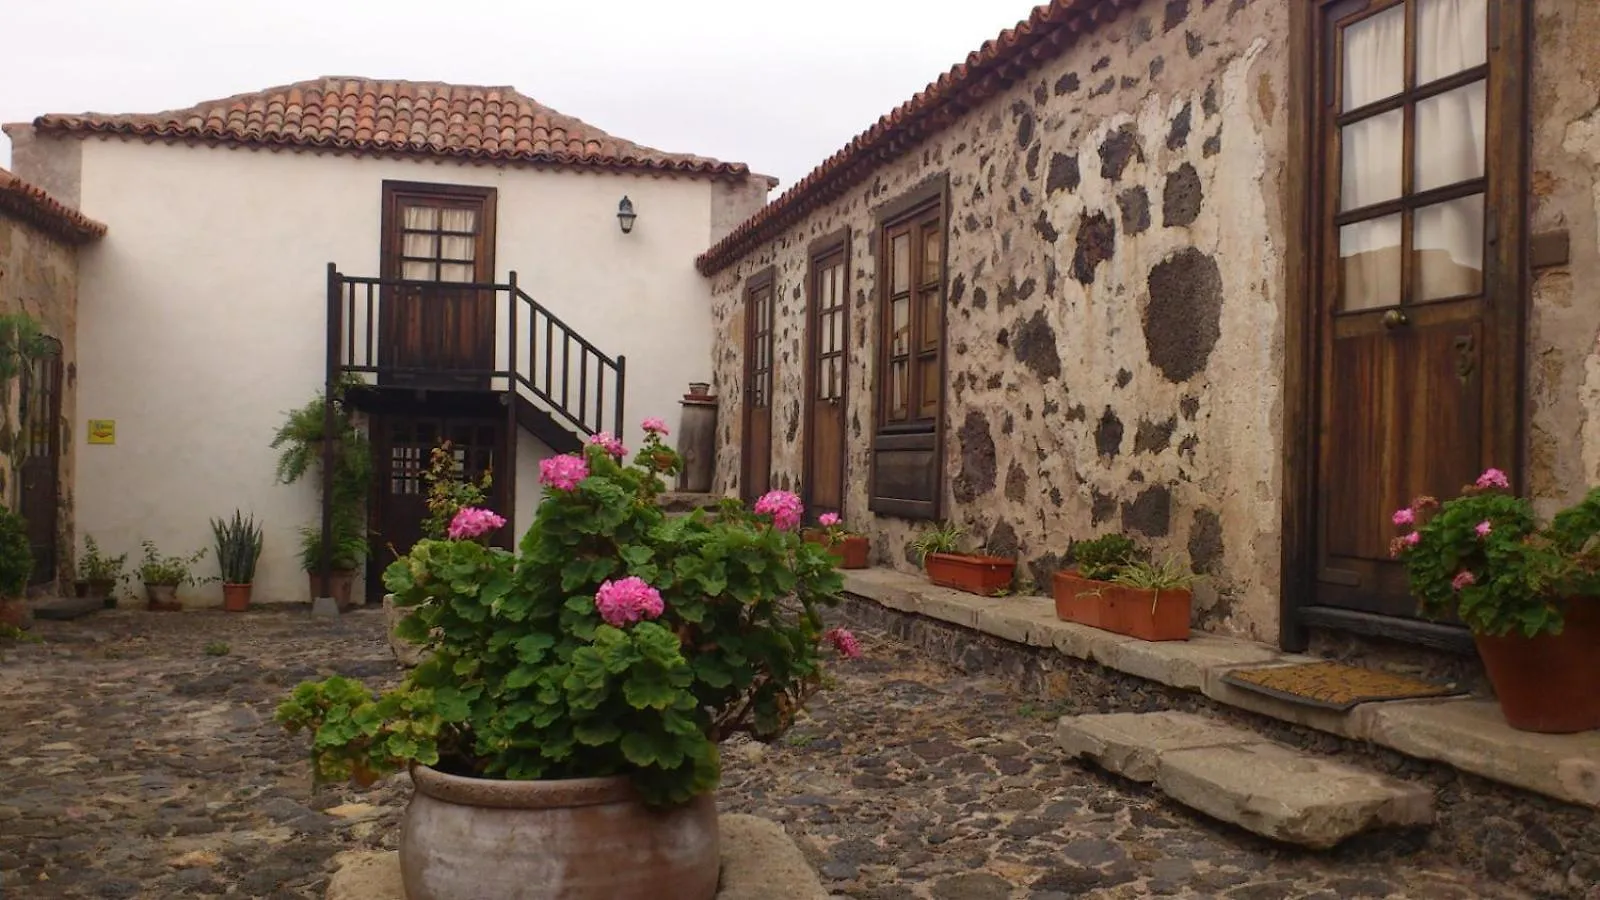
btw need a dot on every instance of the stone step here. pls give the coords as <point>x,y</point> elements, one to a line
<point>1240,777</point>
<point>64,609</point>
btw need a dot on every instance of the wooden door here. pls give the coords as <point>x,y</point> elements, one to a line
<point>435,330</point>
<point>40,471</point>
<point>756,454</point>
<point>403,446</point>
<point>828,330</point>
<point>1419,314</point>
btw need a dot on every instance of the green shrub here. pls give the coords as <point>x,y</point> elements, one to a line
<point>1102,558</point>
<point>16,555</point>
<point>617,641</point>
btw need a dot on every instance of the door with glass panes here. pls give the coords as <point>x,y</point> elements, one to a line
<point>1418,297</point>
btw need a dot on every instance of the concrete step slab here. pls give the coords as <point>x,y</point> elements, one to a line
<point>1239,777</point>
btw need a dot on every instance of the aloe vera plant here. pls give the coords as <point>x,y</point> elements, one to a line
<point>238,547</point>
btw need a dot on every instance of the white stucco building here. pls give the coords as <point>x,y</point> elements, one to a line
<point>204,315</point>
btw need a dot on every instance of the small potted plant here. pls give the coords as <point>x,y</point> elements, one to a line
<point>947,566</point>
<point>349,549</point>
<point>238,544</point>
<point>16,564</point>
<point>574,692</point>
<point>848,547</point>
<point>1530,594</point>
<point>163,575</point>
<point>99,574</point>
<point>1116,587</point>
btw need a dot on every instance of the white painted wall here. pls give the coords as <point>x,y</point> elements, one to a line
<point>202,318</point>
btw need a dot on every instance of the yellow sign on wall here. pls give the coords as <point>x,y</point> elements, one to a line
<point>102,431</point>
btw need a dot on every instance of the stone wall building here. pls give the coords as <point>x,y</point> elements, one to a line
<point>1164,267</point>
<point>40,238</point>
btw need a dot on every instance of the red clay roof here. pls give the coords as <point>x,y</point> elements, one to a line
<point>1045,34</point>
<point>366,116</point>
<point>32,204</point>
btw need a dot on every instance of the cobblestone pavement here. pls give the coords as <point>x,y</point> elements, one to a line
<point>137,759</point>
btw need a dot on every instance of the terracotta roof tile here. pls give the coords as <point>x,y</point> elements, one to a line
<point>1046,33</point>
<point>365,116</point>
<point>25,201</point>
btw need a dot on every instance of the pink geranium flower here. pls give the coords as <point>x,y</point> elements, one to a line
<point>1406,516</point>
<point>844,642</point>
<point>1483,528</point>
<point>563,472</point>
<point>1462,579</point>
<point>784,508</point>
<point>609,443</point>
<point>654,426</point>
<point>1412,538</point>
<point>472,522</point>
<point>627,600</point>
<point>828,520</point>
<point>1493,478</point>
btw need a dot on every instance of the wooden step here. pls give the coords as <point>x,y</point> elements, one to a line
<point>1240,777</point>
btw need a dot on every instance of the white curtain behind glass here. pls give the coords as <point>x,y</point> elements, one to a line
<point>1452,36</point>
<point>1374,68</point>
<point>1450,131</point>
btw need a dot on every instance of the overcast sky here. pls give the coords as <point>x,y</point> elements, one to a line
<point>777,85</point>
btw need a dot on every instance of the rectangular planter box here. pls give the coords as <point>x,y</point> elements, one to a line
<point>982,575</point>
<point>1147,615</point>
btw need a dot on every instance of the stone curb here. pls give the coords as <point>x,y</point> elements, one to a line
<point>1469,734</point>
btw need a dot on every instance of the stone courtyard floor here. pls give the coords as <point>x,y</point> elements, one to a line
<point>138,758</point>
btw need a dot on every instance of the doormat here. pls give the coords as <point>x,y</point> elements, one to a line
<point>1332,685</point>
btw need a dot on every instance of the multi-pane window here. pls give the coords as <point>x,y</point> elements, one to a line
<point>1411,123</point>
<point>760,310</point>
<point>913,317</point>
<point>438,241</point>
<point>830,306</point>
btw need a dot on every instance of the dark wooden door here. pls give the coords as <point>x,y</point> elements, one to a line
<point>756,455</point>
<point>825,382</point>
<point>436,331</point>
<point>40,471</point>
<point>403,446</point>
<point>1417,311</point>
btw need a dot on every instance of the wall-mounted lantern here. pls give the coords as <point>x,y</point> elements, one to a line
<point>626,215</point>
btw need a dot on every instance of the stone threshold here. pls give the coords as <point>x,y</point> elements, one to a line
<point>1465,733</point>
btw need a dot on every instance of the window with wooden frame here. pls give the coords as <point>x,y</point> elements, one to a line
<point>907,443</point>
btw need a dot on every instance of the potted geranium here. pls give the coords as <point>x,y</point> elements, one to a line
<point>1530,594</point>
<point>574,692</point>
<point>163,575</point>
<point>1114,585</point>
<point>948,566</point>
<point>16,564</point>
<point>848,547</point>
<point>99,574</point>
<point>238,545</point>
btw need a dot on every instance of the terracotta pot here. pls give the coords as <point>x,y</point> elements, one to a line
<point>15,612</point>
<point>1148,615</point>
<point>984,575</point>
<point>162,598</point>
<point>341,584</point>
<point>236,597</point>
<point>80,589</point>
<point>851,551</point>
<point>585,839</point>
<point>1549,683</point>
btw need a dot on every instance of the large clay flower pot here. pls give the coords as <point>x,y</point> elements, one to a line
<point>1144,614</point>
<point>577,839</point>
<point>1549,683</point>
<point>983,575</point>
<point>850,551</point>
